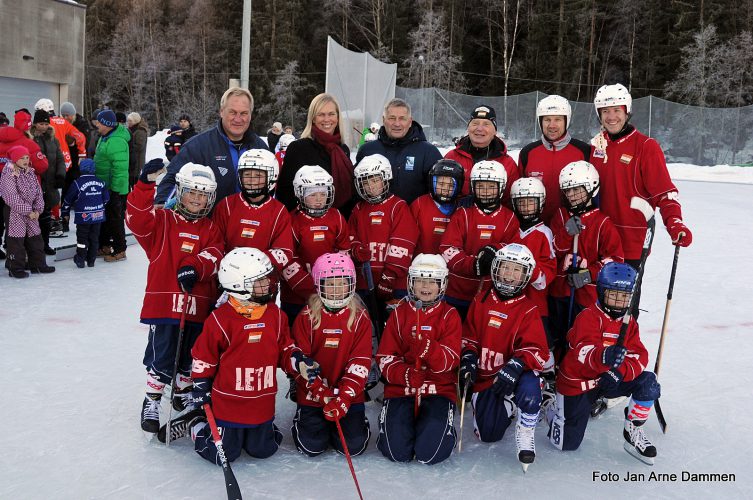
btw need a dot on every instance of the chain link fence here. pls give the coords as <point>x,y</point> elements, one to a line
<point>688,134</point>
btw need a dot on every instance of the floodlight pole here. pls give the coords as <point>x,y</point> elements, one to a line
<point>245,43</point>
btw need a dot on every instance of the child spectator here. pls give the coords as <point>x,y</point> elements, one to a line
<point>282,146</point>
<point>173,142</point>
<point>88,195</point>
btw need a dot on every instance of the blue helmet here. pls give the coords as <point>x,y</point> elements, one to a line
<point>615,276</point>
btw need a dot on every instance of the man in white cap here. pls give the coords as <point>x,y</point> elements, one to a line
<point>273,136</point>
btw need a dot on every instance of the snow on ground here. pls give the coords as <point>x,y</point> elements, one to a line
<point>73,384</point>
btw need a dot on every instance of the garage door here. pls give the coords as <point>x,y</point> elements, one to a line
<point>16,93</point>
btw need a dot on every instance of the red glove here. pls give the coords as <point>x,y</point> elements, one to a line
<point>414,379</point>
<point>337,407</point>
<point>420,347</point>
<point>360,253</point>
<point>384,289</point>
<point>679,233</point>
<point>319,391</point>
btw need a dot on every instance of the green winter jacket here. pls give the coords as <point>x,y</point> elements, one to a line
<point>111,159</point>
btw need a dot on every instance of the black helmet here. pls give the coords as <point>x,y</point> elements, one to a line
<point>446,168</point>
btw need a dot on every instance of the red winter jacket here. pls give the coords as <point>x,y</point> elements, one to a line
<point>11,136</point>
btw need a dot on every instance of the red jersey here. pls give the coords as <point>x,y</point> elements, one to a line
<point>170,242</point>
<point>598,243</point>
<point>471,229</point>
<point>265,227</point>
<point>497,330</point>
<point>242,355</point>
<point>593,331</point>
<point>390,232</point>
<point>442,324</point>
<point>62,128</point>
<point>312,237</point>
<point>499,155</point>
<point>344,354</point>
<point>544,161</point>
<point>432,224</point>
<point>540,241</point>
<point>634,165</point>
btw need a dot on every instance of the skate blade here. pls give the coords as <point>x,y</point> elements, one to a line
<point>597,411</point>
<point>525,467</point>
<point>149,436</point>
<point>632,450</point>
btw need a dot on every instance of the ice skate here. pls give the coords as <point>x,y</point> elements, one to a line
<point>525,444</point>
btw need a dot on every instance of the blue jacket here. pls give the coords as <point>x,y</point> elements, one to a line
<point>90,196</point>
<point>213,149</point>
<point>411,158</point>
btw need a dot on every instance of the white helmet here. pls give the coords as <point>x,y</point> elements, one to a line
<point>512,268</point>
<point>528,187</point>
<point>285,141</point>
<point>488,170</point>
<point>613,95</point>
<point>239,271</point>
<point>311,179</point>
<point>554,105</point>
<point>259,159</point>
<point>371,166</point>
<point>374,127</point>
<point>579,173</point>
<point>45,105</point>
<point>428,266</point>
<point>195,178</point>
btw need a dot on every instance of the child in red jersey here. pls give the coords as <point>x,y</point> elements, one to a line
<point>184,249</point>
<point>418,356</point>
<point>504,348</point>
<point>596,365</point>
<point>432,211</point>
<point>252,218</point>
<point>475,233</point>
<point>235,360</point>
<point>335,329</point>
<point>282,146</point>
<point>598,243</point>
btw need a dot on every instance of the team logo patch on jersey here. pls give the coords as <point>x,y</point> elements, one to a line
<point>254,337</point>
<point>378,213</point>
<point>376,220</point>
<point>611,335</point>
<point>189,236</point>
<point>498,314</point>
<point>494,323</point>
<point>319,228</point>
<point>485,235</point>
<point>251,222</point>
<point>598,153</point>
<point>248,232</point>
<point>187,247</point>
<point>425,328</point>
<point>253,325</point>
<point>440,219</point>
<point>332,342</point>
<point>410,161</point>
<point>318,236</point>
<point>625,158</point>
<point>336,331</point>
<point>439,230</point>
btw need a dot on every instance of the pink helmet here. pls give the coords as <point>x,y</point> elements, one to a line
<point>334,265</point>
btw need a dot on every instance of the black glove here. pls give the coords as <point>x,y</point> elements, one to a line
<point>468,368</point>
<point>508,377</point>
<point>150,169</point>
<point>306,367</point>
<point>187,277</point>
<point>201,394</point>
<point>610,380</point>
<point>613,356</point>
<point>484,260</point>
<point>574,225</point>
<point>578,278</point>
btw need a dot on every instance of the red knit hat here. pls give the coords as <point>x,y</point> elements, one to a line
<point>17,152</point>
<point>22,120</point>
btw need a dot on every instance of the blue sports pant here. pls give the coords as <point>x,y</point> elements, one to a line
<point>313,434</point>
<point>492,413</point>
<point>159,355</point>
<point>259,441</point>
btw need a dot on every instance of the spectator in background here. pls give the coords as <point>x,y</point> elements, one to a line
<point>111,161</point>
<point>91,144</point>
<point>402,141</point>
<point>53,179</point>
<point>273,136</point>
<point>186,126</point>
<point>4,122</point>
<point>173,142</point>
<point>137,154</point>
<point>289,130</point>
<point>121,117</point>
<point>68,111</point>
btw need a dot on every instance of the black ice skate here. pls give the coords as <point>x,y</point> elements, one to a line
<point>636,442</point>
<point>150,413</point>
<point>181,426</point>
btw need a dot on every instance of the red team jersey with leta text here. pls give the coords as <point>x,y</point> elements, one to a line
<point>592,332</point>
<point>242,355</point>
<point>497,330</point>
<point>389,231</point>
<point>312,237</point>
<point>442,324</point>
<point>170,242</point>
<point>471,229</point>
<point>344,354</point>
<point>540,241</point>
<point>432,224</point>
<point>266,227</point>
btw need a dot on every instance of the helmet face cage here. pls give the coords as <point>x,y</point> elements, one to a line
<point>491,171</point>
<point>575,175</point>
<point>446,168</point>
<point>318,209</point>
<point>263,160</point>
<point>615,287</point>
<point>311,180</point>
<point>422,273</point>
<point>247,274</point>
<point>195,182</point>
<point>524,189</point>
<point>511,269</point>
<point>335,279</point>
<point>370,169</point>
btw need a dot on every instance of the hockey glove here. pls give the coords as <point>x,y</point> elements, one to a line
<point>574,225</point>
<point>613,356</point>
<point>201,394</point>
<point>414,379</point>
<point>187,278</point>
<point>484,260</point>
<point>578,278</point>
<point>468,368</point>
<point>305,366</point>
<point>679,233</point>
<point>420,347</point>
<point>360,253</point>
<point>508,377</point>
<point>609,381</point>
<point>385,289</point>
<point>151,170</point>
<point>319,391</point>
<point>337,407</point>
